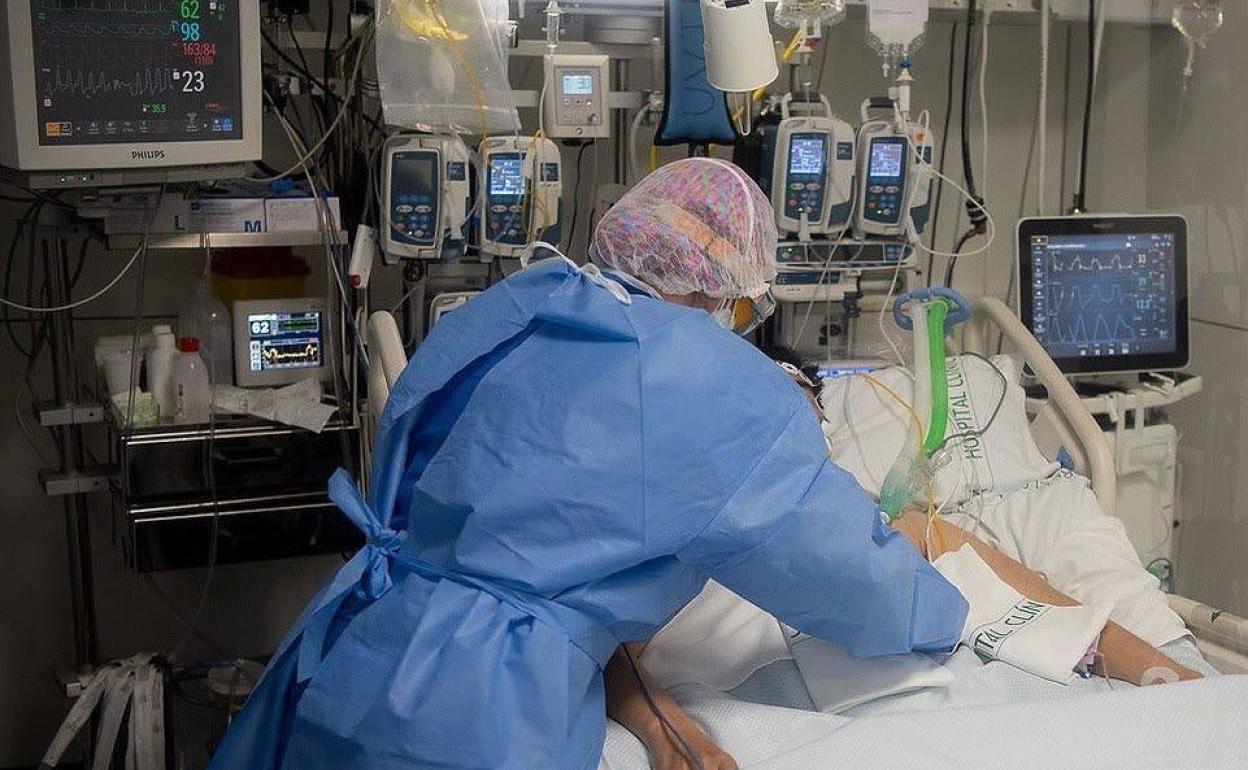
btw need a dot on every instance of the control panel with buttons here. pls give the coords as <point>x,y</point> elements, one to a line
<point>575,96</point>
<point>886,171</point>
<point>521,187</point>
<point>425,183</point>
<point>811,181</point>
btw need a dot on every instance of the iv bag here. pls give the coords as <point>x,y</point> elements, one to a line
<point>442,66</point>
<point>896,29</point>
<point>1196,21</point>
<point>797,14</point>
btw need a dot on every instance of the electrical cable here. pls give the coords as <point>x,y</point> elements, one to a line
<point>28,219</point>
<point>311,153</point>
<point>142,249</point>
<point>576,199</point>
<point>968,171</point>
<point>983,117</point>
<point>944,144</point>
<point>314,80</point>
<point>1081,196</point>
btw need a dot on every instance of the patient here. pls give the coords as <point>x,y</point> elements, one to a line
<point>1124,656</point>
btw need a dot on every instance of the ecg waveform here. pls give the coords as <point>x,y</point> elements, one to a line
<point>163,7</point>
<point>144,82</point>
<point>1106,299</point>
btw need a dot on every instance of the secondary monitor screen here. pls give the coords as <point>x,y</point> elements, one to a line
<point>507,175</point>
<point>1105,296</point>
<point>109,71</point>
<point>415,175</point>
<point>578,84</point>
<point>807,154</point>
<point>886,158</point>
<point>285,340</point>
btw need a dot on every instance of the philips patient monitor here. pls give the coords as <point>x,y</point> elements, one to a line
<point>1106,294</point>
<point>102,92</point>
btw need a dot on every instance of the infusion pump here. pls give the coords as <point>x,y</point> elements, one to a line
<point>425,198</point>
<point>894,177</point>
<point>521,191</point>
<point>812,171</point>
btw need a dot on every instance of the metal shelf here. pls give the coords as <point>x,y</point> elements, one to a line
<point>221,240</point>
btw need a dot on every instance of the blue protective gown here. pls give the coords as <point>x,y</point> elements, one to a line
<point>560,469</point>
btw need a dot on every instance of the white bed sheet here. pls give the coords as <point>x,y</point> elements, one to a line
<point>993,715</point>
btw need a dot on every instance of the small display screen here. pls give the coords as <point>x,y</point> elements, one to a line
<point>1104,295</point>
<point>414,174</point>
<point>285,340</point>
<point>886,158</point>
<point>110,71</point>
<point>578,84</point>
<point>507,175</point>
<point>807,154</point>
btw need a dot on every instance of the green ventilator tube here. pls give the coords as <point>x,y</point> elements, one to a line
<point>937,312</point>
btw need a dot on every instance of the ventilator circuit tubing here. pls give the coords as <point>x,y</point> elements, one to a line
<point>918,461</point>
<point>938,423</point>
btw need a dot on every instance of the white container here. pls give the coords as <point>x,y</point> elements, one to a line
<point>204,317</point>
<point>160,364</point>
<point>738,46</point>
<point>192,392</point>
<point>121,370</point>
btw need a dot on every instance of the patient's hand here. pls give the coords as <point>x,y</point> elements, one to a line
<point>666,755</point>
<point>628,705</point>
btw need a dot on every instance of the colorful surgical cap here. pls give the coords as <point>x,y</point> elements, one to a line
<point>697,225</point>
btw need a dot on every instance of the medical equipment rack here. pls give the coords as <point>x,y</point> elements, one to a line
<point>73,408</point>
<point>260,485</point>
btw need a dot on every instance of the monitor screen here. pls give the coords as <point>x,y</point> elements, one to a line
<point>1107,301</point>
<point>886,158</point>
<point>507,175</point>
<point>110,71</point>
<point>285,340</point>
<point>578,84</point>
<point>807,154</point>
<point>414,176</point>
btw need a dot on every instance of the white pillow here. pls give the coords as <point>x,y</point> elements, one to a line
<point>866,428</point>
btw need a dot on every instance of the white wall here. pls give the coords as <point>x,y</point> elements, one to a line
<point>250,605</point>
<point>1198,166</point>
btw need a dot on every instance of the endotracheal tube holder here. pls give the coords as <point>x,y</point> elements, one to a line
<point>930,314</point>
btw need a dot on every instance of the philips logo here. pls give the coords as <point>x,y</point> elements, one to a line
<point>147,154</point>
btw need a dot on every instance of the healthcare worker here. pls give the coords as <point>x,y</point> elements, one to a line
<point>562,465</point>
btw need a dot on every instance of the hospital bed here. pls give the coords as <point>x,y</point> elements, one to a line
<point>768,721</point>
<point>1221,636</point>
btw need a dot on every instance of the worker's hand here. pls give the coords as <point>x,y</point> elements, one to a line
<point>667,755</point>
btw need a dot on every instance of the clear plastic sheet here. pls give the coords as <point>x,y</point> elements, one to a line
<point>442,66</point>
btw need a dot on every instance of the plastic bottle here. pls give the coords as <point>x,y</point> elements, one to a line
<point>190,383</point>
<point>203,316</point>
<point>161,359</point>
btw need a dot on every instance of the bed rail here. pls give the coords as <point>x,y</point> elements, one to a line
<point>1221,636</point>
<point>1077,424</point>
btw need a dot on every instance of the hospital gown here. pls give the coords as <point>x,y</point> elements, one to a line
<point>560,468</point>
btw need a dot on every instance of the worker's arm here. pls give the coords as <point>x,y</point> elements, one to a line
<point>627,704</point>
<point>1124,655</point>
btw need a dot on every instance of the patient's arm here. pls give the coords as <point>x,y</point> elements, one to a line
<point>627,704</point>
<point>1125,656</point>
